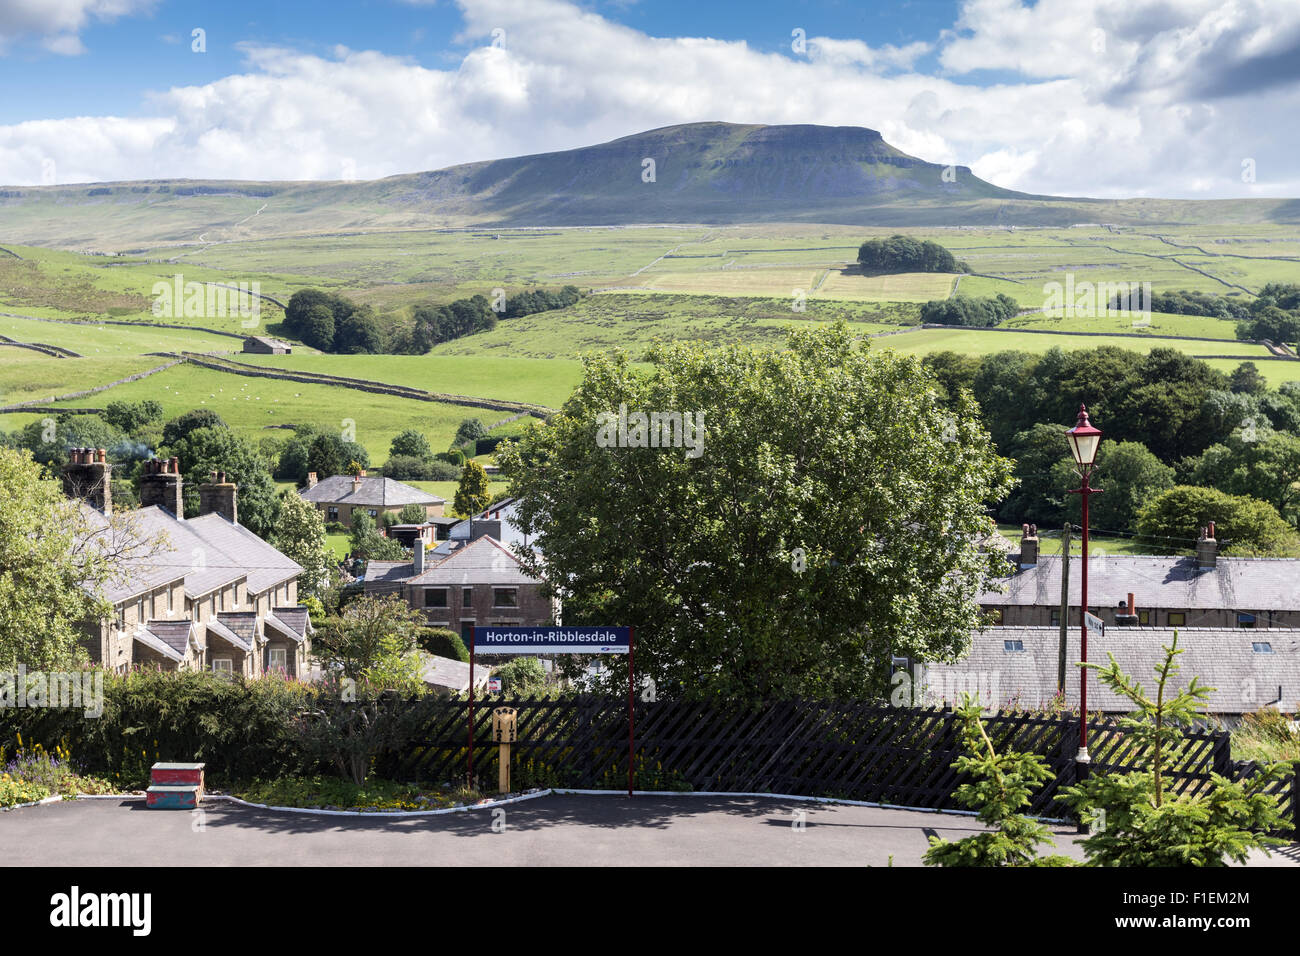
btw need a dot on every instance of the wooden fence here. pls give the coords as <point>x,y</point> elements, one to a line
<point>846,750</point>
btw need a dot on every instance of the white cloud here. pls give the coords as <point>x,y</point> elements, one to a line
<point>1103,124</point>
<point>57,23</point>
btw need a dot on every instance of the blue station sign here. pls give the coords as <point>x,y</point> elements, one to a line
<point>552,640</point>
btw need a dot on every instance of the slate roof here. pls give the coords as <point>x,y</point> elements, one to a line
<point>266,566</point>
<point>175,634</point>
<point>483,561</point>
<point>452,674</point>
<point>208,552</point>
<point>369,492</point>
<point>185,554</point>
<point>238,638</point>
<point>1223,658</point>
<point>1246,584</point>
<point>294,621</point>
<point>133,577</point>
<point>151,640</point>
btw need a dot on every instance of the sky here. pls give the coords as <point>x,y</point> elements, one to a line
<point>1105,98</point>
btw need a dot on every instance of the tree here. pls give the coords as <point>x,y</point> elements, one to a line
<point>1002,788</point>
<point>1139,822</point>
<point>206,450</point>
<point>905,254</point>
<point>367,543</point>
<point>468,434</point>
<point>132,416</point>
<point>1243,525</point>
<point>48,439</point>
<point>412,514</point>
<point>1038,496</point>
<point>373,635</point>
<point>182,425</point>
<point>1245,378</point>
<point>1267,468</point>
<point>317,328</point>
<point>299,533</point>
<point>411,443</point>
<point>1131,477</point>
<point>328,454</point>
<point>824,510</point>
<point>472,494</point>
<point>55,562</point>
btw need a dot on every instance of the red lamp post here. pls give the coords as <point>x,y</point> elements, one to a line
<point>1084,439</point>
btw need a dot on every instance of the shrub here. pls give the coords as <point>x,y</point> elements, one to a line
<point>522,677</point>
<point>239,727</point>
<point>444,643</point>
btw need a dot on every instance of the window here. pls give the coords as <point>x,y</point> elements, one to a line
<point>332,514</point>
<point>1245,620</point>
<point>139,611</point>
<point>1261,647</point>
<point>223,665</point>
<point>1177,619</point>
<point>279,659</point>
<point>221,600</point>
<point>994,614</point>
<point>1056,617</point>
<point>1144,617</point>
<point>1013,645</point>
<point>467,597</point>
<point>372,512</point>
<point>505,597</point>
<point>435,597</point>
<point>120,620</point>
<point>171,600</point>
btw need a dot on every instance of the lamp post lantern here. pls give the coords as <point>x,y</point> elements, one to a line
<point>1084,439</point>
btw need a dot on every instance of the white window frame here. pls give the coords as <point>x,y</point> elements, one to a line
<point>283,654</point>
<point>223,665</point>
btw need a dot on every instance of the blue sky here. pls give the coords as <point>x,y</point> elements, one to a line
<point>1074,97</point>
<point>128,56</point>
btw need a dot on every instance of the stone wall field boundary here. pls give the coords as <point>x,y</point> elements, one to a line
<point>364,385</point>
<point>27,406</point>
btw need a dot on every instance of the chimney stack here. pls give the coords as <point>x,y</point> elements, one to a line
<point>417,556</point>
<point>1127,614</point>
<point>219,495</point>
<point>1028,546</point>
<point>311,479</point>
<point>160,485</point>
<point>1207,549</point>
<point>88,475</point>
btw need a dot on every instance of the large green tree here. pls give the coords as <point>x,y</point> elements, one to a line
<point>472,494</point>
<point>1262,465</point>
<point>206,450</point>
<point>1243,525</point>
<point>1129,475</point>
<point>299,533</point>
<point>54,563</point>
<point>827,512</point>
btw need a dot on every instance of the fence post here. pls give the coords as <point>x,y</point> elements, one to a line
<point>1222,755</point>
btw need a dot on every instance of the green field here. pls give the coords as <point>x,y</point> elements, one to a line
<point>649,286</point>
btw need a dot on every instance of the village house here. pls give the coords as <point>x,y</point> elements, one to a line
<point>339,497</point>
<point>465,583</point>
<point>198,594</point>
<point>1200,590</point>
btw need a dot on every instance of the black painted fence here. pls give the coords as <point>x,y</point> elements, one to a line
<point>846,750</point>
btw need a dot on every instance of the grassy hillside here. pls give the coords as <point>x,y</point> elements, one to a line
<point>702,173</point>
